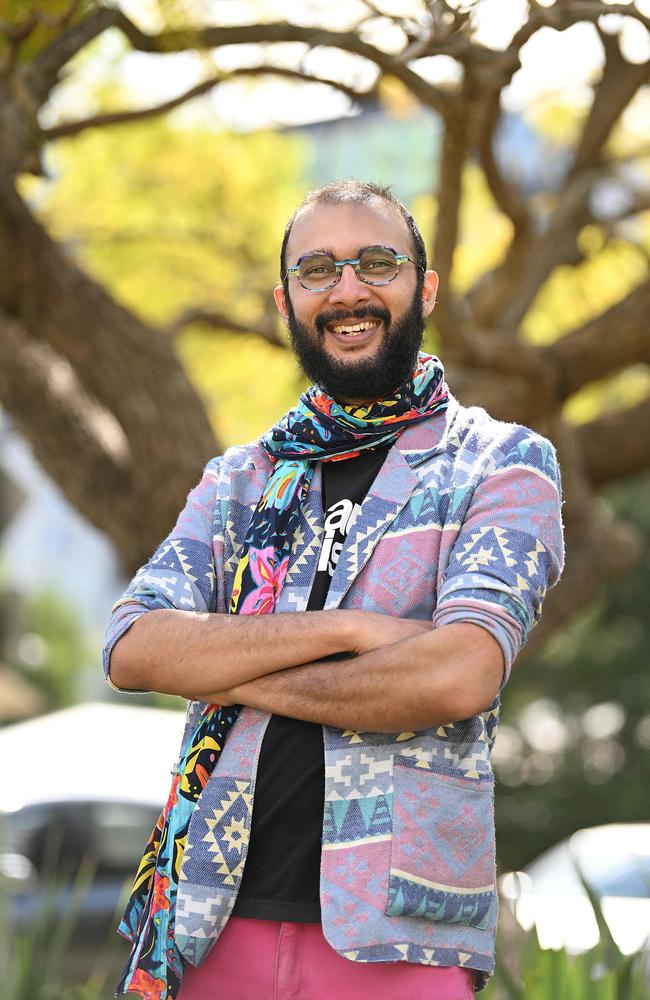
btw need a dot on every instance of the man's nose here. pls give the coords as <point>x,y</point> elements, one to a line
<point>349,289</point>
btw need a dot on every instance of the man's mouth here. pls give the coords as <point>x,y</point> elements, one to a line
<point>355,329</point>
<point>361,324</point>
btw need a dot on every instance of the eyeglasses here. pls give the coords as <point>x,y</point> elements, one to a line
<point>317,272</point>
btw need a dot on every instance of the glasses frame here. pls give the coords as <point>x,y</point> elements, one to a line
<point>400,258</point>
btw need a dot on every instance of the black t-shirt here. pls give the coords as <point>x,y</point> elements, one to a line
<point>282,871</point>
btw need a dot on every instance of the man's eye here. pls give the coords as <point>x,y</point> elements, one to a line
<point>378,265</point>
<point>315,269</point>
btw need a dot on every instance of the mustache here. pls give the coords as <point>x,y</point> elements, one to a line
<point>340,315</point>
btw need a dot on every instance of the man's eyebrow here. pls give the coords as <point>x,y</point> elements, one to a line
<point>327,250</point>
<point>330,252</point>
<point>308,253</point>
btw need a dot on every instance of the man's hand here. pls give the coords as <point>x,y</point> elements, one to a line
<point>375,631</point>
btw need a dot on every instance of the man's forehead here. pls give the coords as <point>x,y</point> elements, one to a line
<point>331,225</point>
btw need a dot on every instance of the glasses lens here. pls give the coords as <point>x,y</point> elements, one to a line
<point>378,265</point>
<point>317,270</point>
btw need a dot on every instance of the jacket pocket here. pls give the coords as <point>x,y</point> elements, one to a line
<point>442,850</point>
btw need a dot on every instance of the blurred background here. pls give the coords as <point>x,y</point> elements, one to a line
<point>150,155</point>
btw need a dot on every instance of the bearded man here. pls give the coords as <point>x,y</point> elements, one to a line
<point>341,602</point>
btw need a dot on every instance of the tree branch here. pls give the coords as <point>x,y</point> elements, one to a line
<point>69,128</point>
<point>59,419</point>
<point>504,193</point>
<point>447,34</point>
<point>450,319</point>
<point>123,365</point>
<point>492,297</point>
<point>557,245</point>
<point>617,86</point>
<point>494,287</point>
<point>18,33</point>
<point>639,203</point>
<point>283,31</point>
<point>48,65</point>
<point>616,444</point>
<point>607,343</point>
<point>45,68</point>
<point>562,15</point>
<point>266,328</point>
<point>22,30</point>
<point>138,114</point>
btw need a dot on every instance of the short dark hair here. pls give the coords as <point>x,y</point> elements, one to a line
<point>360,193</point>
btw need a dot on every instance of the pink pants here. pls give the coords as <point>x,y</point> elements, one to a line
<point>268,960</point>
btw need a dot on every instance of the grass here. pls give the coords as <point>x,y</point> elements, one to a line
<point>38,960</point>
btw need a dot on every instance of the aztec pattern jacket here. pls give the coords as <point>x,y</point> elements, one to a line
<point>462,524</point>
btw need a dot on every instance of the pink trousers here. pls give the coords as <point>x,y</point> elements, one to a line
<point>268,960</point>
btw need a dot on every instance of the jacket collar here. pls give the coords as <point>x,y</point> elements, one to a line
<point>416,444</point>
<point>421,441</point>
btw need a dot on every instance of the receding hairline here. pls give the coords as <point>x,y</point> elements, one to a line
<point>354,192</point>
<point>373,203</point>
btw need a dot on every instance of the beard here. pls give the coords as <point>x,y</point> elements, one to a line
<point>372,378</point>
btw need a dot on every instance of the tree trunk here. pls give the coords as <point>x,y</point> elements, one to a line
<point>101,396</point>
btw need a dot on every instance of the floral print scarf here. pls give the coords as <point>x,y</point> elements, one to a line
<point>317,429</point>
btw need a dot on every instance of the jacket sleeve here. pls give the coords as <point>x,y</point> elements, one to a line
<point>508,549</point>
<point>186,570</point>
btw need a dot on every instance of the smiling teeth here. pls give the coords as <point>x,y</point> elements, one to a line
<point>358,328</point>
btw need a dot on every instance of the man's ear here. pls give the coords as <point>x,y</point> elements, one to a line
<point>429,291</point>
<point>281,303</point>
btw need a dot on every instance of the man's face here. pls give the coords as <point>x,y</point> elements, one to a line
<point>353,365</point>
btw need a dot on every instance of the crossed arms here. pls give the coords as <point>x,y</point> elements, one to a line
<point>349,668</point>
<point>382,674</point>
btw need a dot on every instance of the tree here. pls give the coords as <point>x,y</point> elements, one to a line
<point>101,394</point>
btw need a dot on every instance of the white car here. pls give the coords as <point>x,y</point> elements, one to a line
<point>614,861</point>
<point>88,781</point>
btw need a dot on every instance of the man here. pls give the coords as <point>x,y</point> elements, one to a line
<point>404,544</point>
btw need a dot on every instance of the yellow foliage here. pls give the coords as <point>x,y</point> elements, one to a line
<point>573,295</point>
<point>170,219</point>
<point>557,120</point>
<point>246,384</point>
<point>620,391</point>
<point>484,232</point>
<point>45,30</point>
<point>398,101</point>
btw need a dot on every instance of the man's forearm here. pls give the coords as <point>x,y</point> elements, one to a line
<point>191,654</point>
<point>430,679</point>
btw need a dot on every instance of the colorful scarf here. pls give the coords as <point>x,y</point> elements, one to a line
<point>318,429</point>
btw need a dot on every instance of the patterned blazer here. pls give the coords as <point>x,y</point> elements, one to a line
<point>462,524</point>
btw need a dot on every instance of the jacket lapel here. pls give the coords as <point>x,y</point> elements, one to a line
<point>246,487</point>
<point>388,495</point>
<point>305,550</point>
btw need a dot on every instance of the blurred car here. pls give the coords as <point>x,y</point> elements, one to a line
<point>84,784</point>
<point>614,860</point>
